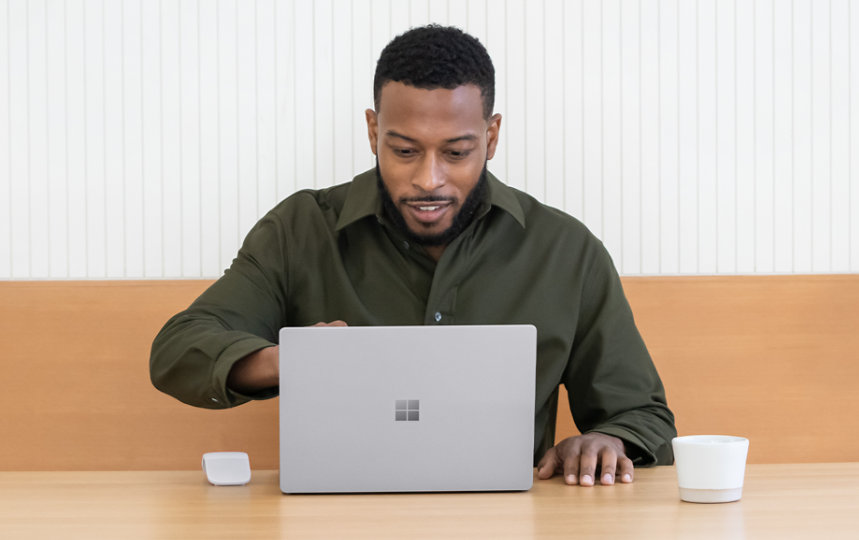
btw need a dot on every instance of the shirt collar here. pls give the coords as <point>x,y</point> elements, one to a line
<point>364,200</point>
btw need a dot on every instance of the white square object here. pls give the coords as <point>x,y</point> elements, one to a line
<point>227,468</point>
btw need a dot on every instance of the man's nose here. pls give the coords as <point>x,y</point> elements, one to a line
<point>430,174</point>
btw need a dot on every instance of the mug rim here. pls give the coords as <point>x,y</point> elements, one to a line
<point>709,439</point>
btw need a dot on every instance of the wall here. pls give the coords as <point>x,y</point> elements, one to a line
<point>771,358</point>
<point>144,138</point>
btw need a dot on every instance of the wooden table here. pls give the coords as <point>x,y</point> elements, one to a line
<point>779,501</point>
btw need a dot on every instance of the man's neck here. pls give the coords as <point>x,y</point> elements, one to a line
<point>434,251</point>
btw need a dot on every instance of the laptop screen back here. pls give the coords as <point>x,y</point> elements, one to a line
<point>412,408</point>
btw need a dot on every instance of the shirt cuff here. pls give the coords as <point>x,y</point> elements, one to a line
<point>223,397</point>
<point>636,450</point>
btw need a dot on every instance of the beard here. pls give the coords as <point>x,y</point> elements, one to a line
<point>478,194</point>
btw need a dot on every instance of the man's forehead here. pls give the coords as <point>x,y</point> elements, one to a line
<point>443,113</point>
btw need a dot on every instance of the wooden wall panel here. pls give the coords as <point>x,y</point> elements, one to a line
<point>77,392</point>
<point>772,358</point>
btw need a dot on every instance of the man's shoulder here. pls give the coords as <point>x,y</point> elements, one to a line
<point>328,203</point>
<point>541,217</point>
<point>549,230</point>
<point>560,242</point>
<point>315,199</point>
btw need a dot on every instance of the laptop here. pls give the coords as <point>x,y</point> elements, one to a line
<point>407,408</point>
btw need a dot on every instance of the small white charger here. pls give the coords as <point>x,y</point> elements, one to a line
<point>227,468</point>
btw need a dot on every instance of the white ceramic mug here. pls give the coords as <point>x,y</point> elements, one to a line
<point>710,468</point>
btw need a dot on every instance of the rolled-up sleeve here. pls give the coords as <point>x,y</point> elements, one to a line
<point>237,315</point>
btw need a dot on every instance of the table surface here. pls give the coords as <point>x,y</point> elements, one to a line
<point>779,501</point>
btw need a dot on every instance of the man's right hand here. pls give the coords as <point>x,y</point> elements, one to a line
<point>259,370</point>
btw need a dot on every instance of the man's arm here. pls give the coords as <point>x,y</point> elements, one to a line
<point>616,396</point>
<point>255,372</point>
<point>260,370</point>
<point>240,314</point>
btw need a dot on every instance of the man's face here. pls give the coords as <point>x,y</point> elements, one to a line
<point>431,147</point>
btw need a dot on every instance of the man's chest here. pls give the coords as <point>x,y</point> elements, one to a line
<point>387,283</point>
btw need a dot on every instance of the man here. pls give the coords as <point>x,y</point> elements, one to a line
<point>431,237</point>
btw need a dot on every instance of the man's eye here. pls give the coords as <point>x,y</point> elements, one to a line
<point>458,154</point>
<point>404,152</point>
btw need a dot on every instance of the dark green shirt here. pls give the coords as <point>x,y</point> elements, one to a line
<point>331,254</point>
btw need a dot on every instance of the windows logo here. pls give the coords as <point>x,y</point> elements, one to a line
<point>407,410</point>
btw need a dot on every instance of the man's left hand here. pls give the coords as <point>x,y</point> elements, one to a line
<point>579,457</point>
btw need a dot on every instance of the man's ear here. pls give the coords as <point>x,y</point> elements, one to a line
<point>492,130</point>
<point>372,129</point>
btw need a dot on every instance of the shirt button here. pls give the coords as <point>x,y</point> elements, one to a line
<point>437,316</point>
<point>405,245</point>
<point>215,399</point>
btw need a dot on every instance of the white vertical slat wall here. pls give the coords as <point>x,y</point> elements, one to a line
<point>143,138</point>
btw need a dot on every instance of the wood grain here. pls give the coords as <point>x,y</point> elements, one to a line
<point>772,358</point>
<point>779,501</point>
<point>78,394</point>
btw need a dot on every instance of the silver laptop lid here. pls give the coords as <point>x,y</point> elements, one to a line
<point>407,408</point>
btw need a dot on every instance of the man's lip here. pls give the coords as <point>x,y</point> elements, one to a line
<point>428,212</point>
<point>422,205</point>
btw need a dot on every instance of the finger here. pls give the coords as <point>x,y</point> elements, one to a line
<point>587,466</point>
<point>571,468</point>
<point>608,466</point>
<point>547,465</point>
<point>569,451</point>
<point>627,470</point>
<point>332,323</point>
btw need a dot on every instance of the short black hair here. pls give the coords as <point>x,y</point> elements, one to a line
<point>435,56</point>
